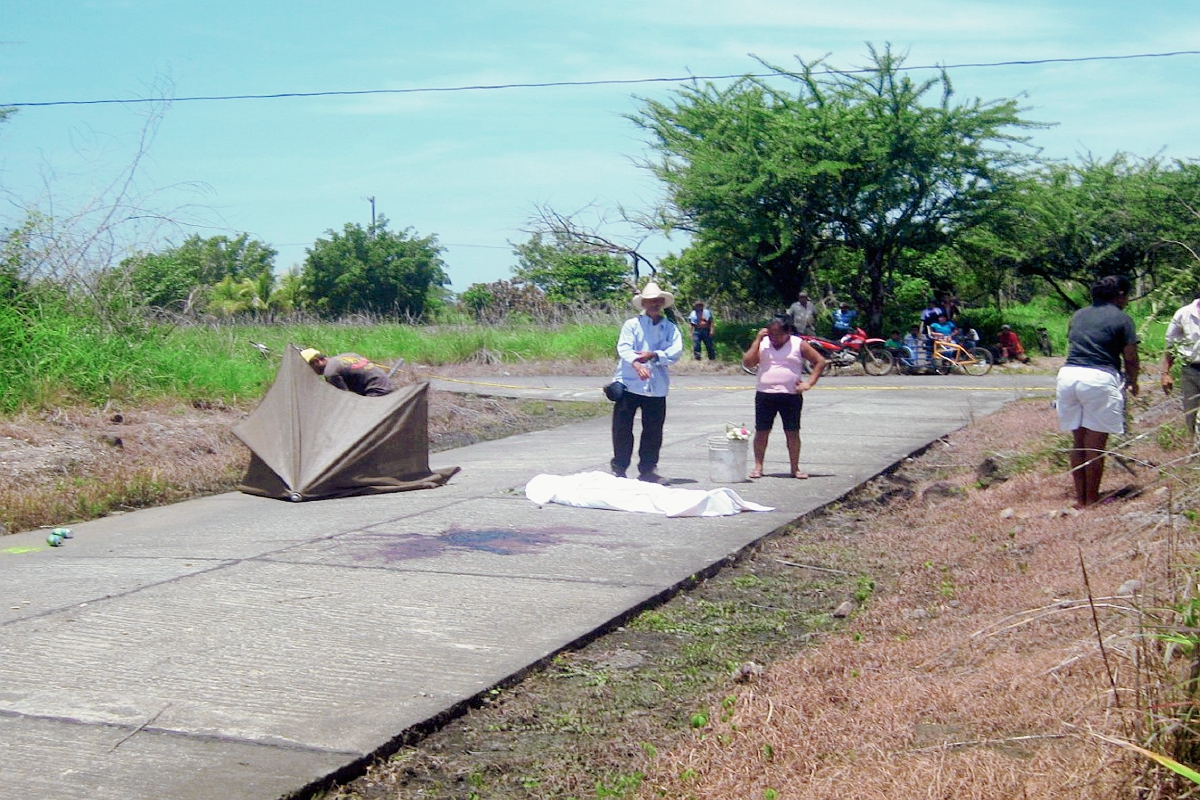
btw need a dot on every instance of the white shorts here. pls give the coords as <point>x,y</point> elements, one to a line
<point>1087,397</point>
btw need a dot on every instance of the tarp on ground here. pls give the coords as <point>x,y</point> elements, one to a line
<point>310,440</point>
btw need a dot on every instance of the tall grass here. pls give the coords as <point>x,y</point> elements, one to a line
<point>53,355</point>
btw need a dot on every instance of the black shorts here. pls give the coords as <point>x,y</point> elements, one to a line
<point>787,406</point>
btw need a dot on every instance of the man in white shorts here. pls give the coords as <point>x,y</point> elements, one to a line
<point>1089,396</point>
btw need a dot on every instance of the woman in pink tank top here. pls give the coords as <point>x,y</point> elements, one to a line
<point>780,357</point>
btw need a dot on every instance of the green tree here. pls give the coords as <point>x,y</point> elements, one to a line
<point>180,277</point>
<point>230,297</point>
<point>1067,224</point>
<point>567,272</point>
<point>373,270</point>
<point>288,293</point>
<point>868,162</point>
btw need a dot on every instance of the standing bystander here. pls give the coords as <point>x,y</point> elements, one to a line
<point>700,319</point>
<point>648,344</point>
<point>1089,396</point>
<point>780,357</point>
<point>804,315</point>
<point>844,320</point>
<point>1183,342</point>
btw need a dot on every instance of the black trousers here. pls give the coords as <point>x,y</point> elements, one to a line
<point>654,413</point>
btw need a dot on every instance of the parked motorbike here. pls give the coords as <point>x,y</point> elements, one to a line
<point>855,348</point>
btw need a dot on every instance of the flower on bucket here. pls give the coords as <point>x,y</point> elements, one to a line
<point>738,433</point>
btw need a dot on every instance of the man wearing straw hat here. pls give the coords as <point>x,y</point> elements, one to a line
<point>648,344</point>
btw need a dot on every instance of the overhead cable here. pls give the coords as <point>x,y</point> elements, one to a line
<point>554,84</point>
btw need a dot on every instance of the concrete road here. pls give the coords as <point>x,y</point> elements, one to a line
<point>238,647</point>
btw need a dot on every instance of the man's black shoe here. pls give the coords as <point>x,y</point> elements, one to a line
<point>652,477</point>
<point>618,473</point>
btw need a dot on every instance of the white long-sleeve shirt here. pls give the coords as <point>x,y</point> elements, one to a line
<point>1183,334</point>
<point>639,334</point>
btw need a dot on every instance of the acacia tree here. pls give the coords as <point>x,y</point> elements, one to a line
<point>869,162</point>
<point>1071,223</point>
<point>372,270</point>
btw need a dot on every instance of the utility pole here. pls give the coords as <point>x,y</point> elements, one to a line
<point>371,200</point>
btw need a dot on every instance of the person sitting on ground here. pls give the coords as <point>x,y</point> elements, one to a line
<point>917,345</point>
<point>349,372</point>
<point>780,356</point>
<point>1009,345</point>
<point>899,350</point>
<point>967,336</point>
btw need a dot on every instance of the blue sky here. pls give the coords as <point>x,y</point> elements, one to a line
<point>471,167</point>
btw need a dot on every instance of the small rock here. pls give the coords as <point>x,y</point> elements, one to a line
<point>991,470</point>
<point>940,491</point>
<point>896,494</point>
<point>1161,491</point>
<point>1008,513</point>
<point>117,419</point>
<point>845,609</point>
<point>744,673</point>
<point>114,441</point>
<point>918,613</point>
<point>1130,587</point>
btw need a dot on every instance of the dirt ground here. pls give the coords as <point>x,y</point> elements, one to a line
<point>952,630</point>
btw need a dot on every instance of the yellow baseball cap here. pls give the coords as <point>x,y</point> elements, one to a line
<point>310,354</point>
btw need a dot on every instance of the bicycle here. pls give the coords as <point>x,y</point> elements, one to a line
<point>1043,341</point>
<point>950,356</point>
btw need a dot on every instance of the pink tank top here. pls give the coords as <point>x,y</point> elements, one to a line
<point>779,370</point>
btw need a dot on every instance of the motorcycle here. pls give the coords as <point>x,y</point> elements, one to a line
<point>854,348</point>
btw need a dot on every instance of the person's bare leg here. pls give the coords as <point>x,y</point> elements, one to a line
<point>793,446</point>
<point>1095,443</point>
<point>1077,460</point>
<point>760,452</point>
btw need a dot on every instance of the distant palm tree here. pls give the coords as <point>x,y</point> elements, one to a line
<point>231,297</point>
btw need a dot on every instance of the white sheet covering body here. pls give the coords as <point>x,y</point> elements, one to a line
<point>601,490</point>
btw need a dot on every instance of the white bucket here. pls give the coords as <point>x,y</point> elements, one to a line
<point>726,459</point>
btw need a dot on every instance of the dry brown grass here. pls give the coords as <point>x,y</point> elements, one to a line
<point>76,463</point>
<point>975,671</point>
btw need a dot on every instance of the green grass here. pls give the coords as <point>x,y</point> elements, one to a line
<point>55,355</point>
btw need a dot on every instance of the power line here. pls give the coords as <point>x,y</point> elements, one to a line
<point>556,84</point>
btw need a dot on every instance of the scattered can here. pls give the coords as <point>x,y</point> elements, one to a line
<point>54,540</point>
<point>63,532</point>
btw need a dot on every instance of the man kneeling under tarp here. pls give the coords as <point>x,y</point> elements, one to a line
<point>309,440</point>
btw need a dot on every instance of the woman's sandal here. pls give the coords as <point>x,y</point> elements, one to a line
<point>798,475</point>
<point>755,473</point>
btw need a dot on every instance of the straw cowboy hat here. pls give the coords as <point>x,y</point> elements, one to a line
<point>652,292</point>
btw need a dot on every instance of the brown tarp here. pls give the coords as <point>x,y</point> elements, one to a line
<point>310,440</point>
